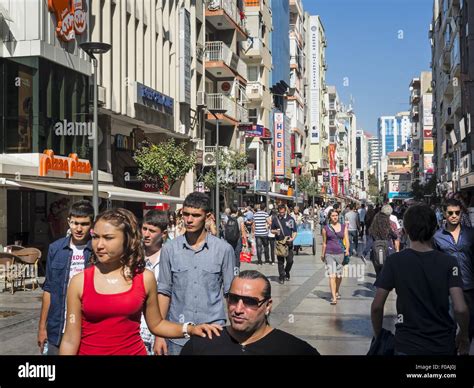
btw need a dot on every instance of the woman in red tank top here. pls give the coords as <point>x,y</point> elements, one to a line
<point>105,302</point>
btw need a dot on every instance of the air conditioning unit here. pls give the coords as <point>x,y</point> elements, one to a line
<point>465,167</point>
<point>209,159</point>
<point>201,98</point>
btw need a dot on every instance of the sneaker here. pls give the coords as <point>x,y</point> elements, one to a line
<point>287,277</point>
<point>273,263</point>
<point>281,280</point>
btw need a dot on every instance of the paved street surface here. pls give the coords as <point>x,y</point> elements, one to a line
<point>300,306</point>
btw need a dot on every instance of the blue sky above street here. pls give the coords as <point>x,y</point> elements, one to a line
<point>380,45</point>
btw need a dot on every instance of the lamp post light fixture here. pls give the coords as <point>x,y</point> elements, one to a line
<point>91,48</point>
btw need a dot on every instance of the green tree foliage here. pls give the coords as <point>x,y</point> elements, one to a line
<point>163,164</point>
<point>307,185</point>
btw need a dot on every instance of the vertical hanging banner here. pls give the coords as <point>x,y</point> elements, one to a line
<point>279,134</point>
<point>184,56</point>
<point>314,79</point>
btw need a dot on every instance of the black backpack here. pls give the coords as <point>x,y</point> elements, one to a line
<point>379,254</point>
<point>232,230</point>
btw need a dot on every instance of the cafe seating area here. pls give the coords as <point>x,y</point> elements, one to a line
<point>19,268</point>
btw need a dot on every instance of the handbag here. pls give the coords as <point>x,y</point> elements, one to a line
<point>281,248</point>
<point>346,257</point>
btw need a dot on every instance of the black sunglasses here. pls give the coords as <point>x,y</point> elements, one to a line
<point>248,301</point>
<point>457,212</point>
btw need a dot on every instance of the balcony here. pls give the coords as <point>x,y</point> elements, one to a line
<point>455,65</point>
<point>414,113</point>
<point>224,15</point>
<point>221,62</point>
<point>296,6</point>
<point>257,49</point>
<point>415,96</point>
<point>295,30</point>
<point>265,11</point>
<point>232,112</point>
<point>200,52</point>
<point>297,126</point>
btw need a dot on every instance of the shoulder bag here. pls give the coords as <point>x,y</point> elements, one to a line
<point>341,243</point>
<point>281,249</point>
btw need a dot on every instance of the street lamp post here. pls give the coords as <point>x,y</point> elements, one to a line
<point>214,112</point>
<point>92,48</point>
<point>297,157</point>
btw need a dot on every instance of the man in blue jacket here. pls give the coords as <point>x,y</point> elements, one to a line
<point>67,257</point>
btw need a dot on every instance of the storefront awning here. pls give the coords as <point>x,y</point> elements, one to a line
<point>106,191</point>
<point>277,195</point>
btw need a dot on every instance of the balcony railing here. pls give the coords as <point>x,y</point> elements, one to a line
<point>229,7</point>
<point>223,103</point>
<point>219,51</point>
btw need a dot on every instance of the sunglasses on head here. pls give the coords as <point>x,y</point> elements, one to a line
<point>457,212</point>
<point>248,301</point>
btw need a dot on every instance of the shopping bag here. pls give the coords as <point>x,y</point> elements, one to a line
<point>245,256</point>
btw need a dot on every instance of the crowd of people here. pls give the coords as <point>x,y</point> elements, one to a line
<point>115,286</point>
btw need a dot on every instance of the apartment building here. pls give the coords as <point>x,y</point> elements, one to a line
<point>421,117</point>
<point>316,91</point>
<point>394,132</point>
<point>362,162</point>
<point>373,144</point>
<point>450,121</point>
<point>258,56</point>
<point>295,109</point>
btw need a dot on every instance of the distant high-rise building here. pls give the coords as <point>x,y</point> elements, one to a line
<point>374,151</point>
<point>394,132</point>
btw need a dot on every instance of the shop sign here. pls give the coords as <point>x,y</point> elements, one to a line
<point>71,17</point>
<point>64,167</point>
<point>150,187</point>
<point>153,99</point>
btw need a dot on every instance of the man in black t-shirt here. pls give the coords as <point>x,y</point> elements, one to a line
<point>424,280</point>
<point>249,305</point>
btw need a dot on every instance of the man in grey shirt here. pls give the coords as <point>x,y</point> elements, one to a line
<point>353,226</point>
<point>196,270</point>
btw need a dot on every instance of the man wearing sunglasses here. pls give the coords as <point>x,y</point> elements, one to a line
<point>457,240</point>
<point>249,304</point>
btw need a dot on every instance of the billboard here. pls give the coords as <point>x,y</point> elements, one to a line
<point>332,158</point>
<point>428,146</point>
<point>314,79</point>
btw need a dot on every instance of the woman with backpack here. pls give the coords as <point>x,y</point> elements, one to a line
<point>382,241</point>
<point>335,247</point>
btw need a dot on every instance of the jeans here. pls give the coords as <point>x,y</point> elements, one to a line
<point>237,250</point>
<point>469,297</point>
<point>354,241</point>
<point>362,227</point>
<point>262,242</point>
<point>173,349</point>
<point>282,269</point>
<point>271,240</point>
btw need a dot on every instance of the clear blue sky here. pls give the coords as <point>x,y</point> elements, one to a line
<point>364,45</point>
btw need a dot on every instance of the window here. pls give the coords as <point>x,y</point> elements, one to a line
<point>253,73</point>
<point>253,115</point>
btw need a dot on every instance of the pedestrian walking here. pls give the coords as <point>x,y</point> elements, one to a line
<point>362,213</point>
<point>195,271</point>
<point>105,302</point>
<point>353,225</point>
<point>424,280</point>
<point>457,240</point>
<point>249,305</point>
<point>67,257</point>
<point>261,221</point>
<point>335,247</point>
<point>154,234</point>
<point>284,228</point>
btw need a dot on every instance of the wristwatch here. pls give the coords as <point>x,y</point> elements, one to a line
<point>185,329</point>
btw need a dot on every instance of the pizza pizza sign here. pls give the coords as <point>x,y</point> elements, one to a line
<point>71,17</point>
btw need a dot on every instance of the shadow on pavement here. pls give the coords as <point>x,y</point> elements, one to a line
<point>322,294</point>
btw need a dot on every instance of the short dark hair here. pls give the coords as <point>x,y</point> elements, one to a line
<point>282,207</point>
<point>420,223</point>
<point>82,208</point>
<point>335,206</point>
<point>233,209</point>
<point>351,206</point>
<point>263,207</point>
<point>157,218</point>
<point>253,275</point>
<point>452,202</point>
<point>198,200</point>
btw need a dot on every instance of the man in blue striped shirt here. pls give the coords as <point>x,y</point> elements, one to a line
<point>260,226</point>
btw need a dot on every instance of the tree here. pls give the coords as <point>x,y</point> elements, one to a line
<point>230,164</point>
<point>373,186</point>
<point>307,185</point>
<point>163,164</point>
